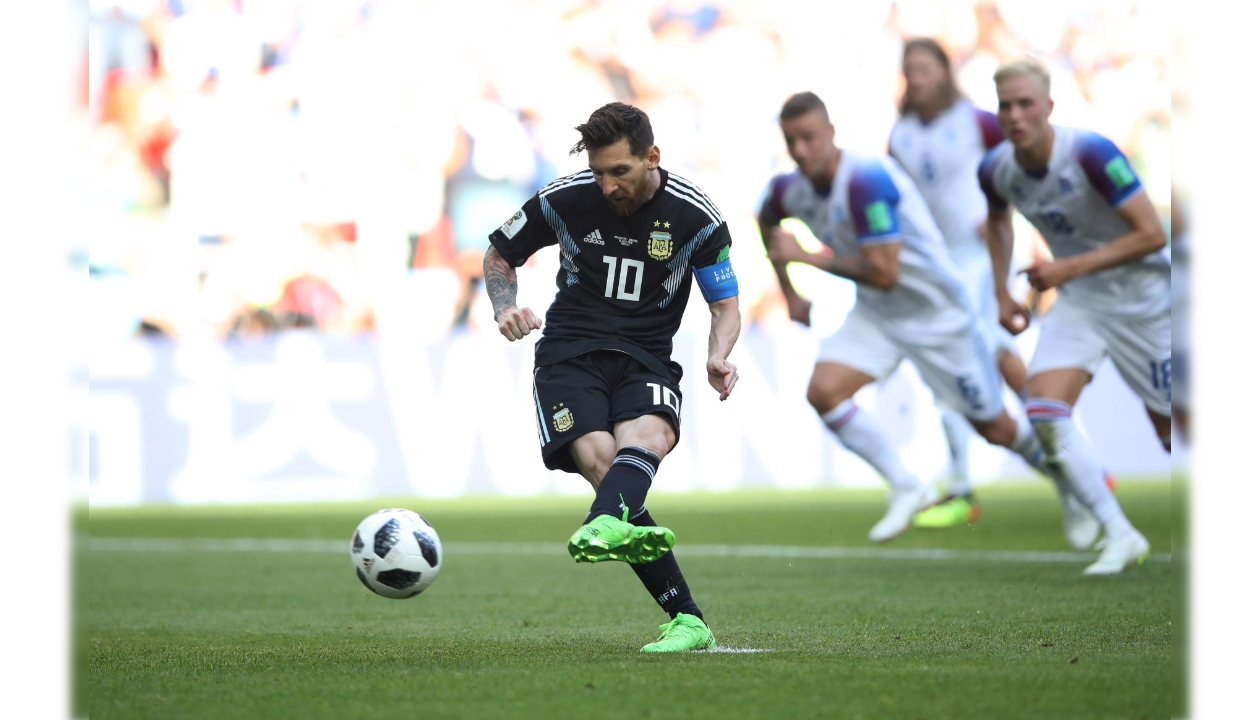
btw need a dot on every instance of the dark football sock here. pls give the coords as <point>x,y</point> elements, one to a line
<point>623,491</point>
<point>664,580</point>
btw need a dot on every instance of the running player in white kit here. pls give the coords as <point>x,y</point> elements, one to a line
<point>910,300</point>
<point>939,141</point>
<point>1113,284</point>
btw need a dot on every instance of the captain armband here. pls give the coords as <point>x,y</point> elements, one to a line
<point>717,282</point>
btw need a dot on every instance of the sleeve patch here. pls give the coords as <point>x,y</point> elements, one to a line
<point>1119,172</point>
<point>726,253</point>
<point>514,224</point>
<point>717,282</point>
<point>879,217</point>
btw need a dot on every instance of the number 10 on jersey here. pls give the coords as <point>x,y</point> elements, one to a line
<point>619,284</point>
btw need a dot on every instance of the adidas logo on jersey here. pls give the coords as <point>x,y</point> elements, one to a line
<point>594,238</point>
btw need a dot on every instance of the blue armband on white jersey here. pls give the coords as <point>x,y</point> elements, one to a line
<point>717,282</point>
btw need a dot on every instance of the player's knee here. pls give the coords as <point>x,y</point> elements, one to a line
<point>823,399</point>
<point>593,454</point>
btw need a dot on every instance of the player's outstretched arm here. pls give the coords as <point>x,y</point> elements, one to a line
<point>723,332</point>
<point>878,265</point>
<point>999,234</point>
<point>1145,236</point>
<point>515,323</point>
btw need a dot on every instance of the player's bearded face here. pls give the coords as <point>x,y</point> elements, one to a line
<point>926,78</point>
<point>625,179</point>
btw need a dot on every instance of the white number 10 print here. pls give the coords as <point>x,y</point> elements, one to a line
<point>622,293</point>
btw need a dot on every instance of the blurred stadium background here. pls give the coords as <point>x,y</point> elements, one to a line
<point>289,200</point>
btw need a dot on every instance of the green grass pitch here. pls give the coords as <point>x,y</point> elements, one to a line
<point>219,634</point>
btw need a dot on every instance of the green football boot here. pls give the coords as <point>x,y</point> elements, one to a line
<point>953,510</point>
<point>683,633</point>
<point>607,538</point>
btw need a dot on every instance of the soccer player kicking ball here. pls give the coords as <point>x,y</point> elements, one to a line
<point>911,302</point>
<point>939,140</point>
<point>605,389</point>
<point>1113,284</point>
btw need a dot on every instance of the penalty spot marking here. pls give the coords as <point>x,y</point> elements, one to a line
<point>290,545</point>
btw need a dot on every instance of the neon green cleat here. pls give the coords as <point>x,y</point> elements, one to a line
<point>951,511</point>
<point>607,538</point>
<point>683,633</point>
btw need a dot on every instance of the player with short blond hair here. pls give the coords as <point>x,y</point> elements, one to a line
<point>1113,284</point>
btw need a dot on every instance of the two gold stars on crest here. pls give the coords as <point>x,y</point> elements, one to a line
<point>657,223</point>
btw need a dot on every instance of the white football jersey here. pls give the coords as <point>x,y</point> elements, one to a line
<point>1073,203</point>
<point>942,156</point>
<point>871,201</point>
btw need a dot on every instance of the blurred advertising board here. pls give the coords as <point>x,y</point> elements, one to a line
<point>304,417</point>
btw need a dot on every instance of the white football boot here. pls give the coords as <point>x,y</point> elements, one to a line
<point>1119,552</point>
<point>901,509</point>
<point>1078,523</point>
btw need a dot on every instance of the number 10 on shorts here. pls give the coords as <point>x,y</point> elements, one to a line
<point>660,392</point>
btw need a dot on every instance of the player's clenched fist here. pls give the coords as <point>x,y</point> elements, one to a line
<point>1013,316</point>
<point>515,323</point>
<point>722,376</point>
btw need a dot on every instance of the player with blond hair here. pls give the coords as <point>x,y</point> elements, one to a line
<point>1113,284</point>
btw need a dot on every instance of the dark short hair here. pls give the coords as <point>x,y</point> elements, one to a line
<point>931,46</point>
<point>612,123</point>
<point>801,103</point>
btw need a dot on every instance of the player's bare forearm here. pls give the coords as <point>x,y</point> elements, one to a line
<point>500,281</point>
<point>877,265</point>
<point>514,323</point>
<point>724,328</point>
<point>1145,236</point>
<point>999,235</point>
<point>723,332</point>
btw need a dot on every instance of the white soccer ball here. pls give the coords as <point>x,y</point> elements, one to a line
<point>396,553</point>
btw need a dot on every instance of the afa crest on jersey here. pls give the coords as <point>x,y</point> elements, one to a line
<point>563,420</point>
<point>660,245</point>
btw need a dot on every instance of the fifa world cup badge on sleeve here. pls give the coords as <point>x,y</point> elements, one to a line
<point>514,224</point>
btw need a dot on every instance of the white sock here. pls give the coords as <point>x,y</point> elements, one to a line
<point>958,433</point>
<point>860,434</point>
<point>1067,450</point>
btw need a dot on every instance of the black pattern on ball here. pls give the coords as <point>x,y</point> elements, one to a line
<point>356,545</point>
<point>426,522</point>
<point>428,548</point>
<point>363,578</point>
<point>387,537</point>
<point>398,579</point>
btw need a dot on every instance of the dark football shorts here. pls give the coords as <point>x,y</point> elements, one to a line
<point>593,392</point>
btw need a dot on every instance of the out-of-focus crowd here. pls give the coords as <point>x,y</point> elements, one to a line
<point>256,165</point>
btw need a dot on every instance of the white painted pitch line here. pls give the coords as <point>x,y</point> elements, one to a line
<point>737,651</point>
<point>285,545</point>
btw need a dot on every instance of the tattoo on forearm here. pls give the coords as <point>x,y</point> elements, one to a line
<point>500,281</point>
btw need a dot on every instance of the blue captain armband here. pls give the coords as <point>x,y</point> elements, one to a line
<point>717,282</point>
